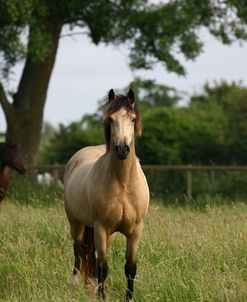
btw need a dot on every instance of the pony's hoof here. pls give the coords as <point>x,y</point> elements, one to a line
<point>101,296</point>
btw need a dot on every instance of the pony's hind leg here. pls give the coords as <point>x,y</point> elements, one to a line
<point>77,263</point>
<point>101,239</point>
<point>77,230</point>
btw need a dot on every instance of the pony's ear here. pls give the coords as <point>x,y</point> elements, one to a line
<point>111,95</point>
<point>131,96</point>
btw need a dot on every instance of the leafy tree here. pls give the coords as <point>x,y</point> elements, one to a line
<point>232,98</point>
<point>30,31</point>
<point>149,94</point>
<point>203,135</point>
<point>69,139</point>
<point>183,136</point>
<point>238,131</point>
<point>210,130</point>
<point>159,143</point>
<point>221,93</point>
<point>89,131</point>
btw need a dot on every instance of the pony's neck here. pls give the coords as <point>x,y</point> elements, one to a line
<point>122,169</point>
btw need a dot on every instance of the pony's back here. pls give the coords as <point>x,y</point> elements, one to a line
<point>83,156</point>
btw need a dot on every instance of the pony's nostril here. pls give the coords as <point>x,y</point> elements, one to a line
<point>127,149</point>
<point>122,150</point>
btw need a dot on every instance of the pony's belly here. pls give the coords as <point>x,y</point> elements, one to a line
<point>80,213</point>
<point>76,206</point>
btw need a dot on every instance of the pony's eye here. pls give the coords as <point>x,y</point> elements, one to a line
<point>133,120</point>
<point>110,119</point>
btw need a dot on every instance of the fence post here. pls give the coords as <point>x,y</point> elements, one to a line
<point>189,185</point>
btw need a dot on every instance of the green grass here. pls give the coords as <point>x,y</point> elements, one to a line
<point>186,253</point>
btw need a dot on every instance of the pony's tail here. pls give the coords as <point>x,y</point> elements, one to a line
<point>88,254</point>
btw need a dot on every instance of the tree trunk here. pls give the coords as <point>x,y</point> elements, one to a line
<point>25,115</point>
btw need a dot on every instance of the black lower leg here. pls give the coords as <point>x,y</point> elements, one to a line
<point>102,274</point>
<point>130,272</point>
<point>77,254</point>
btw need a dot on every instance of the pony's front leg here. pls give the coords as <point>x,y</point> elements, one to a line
<point>130,265</point>
<point>101,239</point>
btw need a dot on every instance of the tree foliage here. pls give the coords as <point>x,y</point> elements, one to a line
<point>156,32</point>
<point>89,130</point>
<point>30,31</point>
<point>149,94</point>
<point>210,130</point>
<point>69,139</point>
<point>232,99</point>
<point>190,135</point>
<point>103,21</point>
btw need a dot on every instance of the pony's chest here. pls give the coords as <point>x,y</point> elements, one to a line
<point>119,213</point>
<point>128,219</point>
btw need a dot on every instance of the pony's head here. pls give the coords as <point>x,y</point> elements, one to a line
<point>11,156</point>
<point>122,122</point>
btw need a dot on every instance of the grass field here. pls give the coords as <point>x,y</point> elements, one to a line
<point>186,254</point>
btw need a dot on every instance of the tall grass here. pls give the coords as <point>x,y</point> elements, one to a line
<point>186,253</point>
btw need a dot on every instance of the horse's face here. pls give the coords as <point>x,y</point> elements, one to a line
<point>122,131</point>
<point>121,123</point>
<point>14,159</point>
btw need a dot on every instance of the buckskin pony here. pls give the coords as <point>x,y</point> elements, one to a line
<point>105,191</point>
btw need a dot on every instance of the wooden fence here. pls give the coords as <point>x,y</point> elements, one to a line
<point>57,171</point>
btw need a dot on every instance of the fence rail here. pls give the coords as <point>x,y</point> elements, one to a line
<point>190,168</point>
<point>57,169</point>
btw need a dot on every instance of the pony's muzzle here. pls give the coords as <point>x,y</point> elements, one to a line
<point>20,167</point>
<point>122,151</point>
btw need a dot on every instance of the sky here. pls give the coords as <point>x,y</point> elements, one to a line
<point>84,73</point>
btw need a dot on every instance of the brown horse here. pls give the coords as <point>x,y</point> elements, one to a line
<point>106,192</point>
<point>10,156</point>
